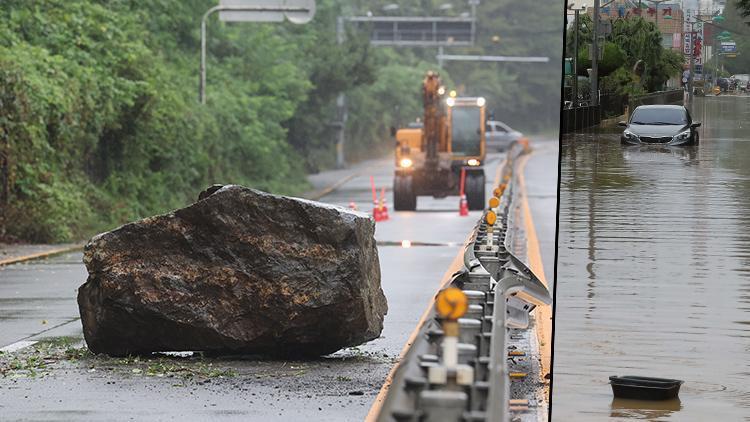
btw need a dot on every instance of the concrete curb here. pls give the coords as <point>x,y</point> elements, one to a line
<point>316,196</point>
<point>612,122</point>
<point>40,255</point>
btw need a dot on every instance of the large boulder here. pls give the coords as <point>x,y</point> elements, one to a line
<point>239,271</point>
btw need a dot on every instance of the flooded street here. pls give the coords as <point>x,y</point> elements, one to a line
<point>654,271</point>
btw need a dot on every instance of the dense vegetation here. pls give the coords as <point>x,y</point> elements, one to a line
<point>743,7</point>
<point>632,40</point>
<point>99,120</point>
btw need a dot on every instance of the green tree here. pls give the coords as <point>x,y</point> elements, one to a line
<point>641,40</point>
<point>737,27</point>
<point>99,122</point>
<point>743,7</point>
<point>613,58</point>
<point>637,40</point>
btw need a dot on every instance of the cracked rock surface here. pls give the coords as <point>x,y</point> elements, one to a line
<point>239,271</point>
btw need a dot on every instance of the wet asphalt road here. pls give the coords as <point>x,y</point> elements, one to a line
<point>653,271</point>
<point>38,298</point>
<point>38,301</point>
<point>541,185</point>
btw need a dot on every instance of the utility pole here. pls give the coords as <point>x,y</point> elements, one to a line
<point>691,61</point>
<point>474,4</point>
<point>342,112</point>
<point>657,3</point>
<point>575,59</point>
<point>716,52</point>
<point>718,58</point>
<point>595,57</point>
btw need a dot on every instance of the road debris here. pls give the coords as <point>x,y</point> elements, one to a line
<point>240,271</point>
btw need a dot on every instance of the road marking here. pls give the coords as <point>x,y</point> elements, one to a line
<point>543,314</point>
<point>400,243</point>
<point>39,255</point>
<point>17,346</point>
<point>25,339</point>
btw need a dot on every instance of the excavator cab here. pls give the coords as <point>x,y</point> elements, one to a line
<point>467,129</point>
<point>451,139</point>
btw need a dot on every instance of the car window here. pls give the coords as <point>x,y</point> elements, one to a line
<point>501,129</point>
<point>659,116</point>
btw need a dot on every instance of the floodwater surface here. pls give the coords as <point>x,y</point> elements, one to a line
<point>653,274</point>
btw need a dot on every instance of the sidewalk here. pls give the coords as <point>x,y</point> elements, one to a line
<point>329,180</point>
<point>11,253</point>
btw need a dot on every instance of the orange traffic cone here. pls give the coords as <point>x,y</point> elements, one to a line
<point>375,206</point>
<point>463,205</point>
<point>383,207</point>
<point>376,214</point>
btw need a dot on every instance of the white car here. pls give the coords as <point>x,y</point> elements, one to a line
<point>499,135</point>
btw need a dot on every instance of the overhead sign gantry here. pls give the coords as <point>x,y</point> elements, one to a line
<point>416,31</point>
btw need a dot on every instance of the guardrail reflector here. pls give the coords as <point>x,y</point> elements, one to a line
<point>451,303</point>
<point>491,218</point>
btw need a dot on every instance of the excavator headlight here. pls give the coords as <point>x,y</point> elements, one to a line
<point>441,90</point>
<point>405,163</point>
<point>473,162</point>
<point>481,101</point>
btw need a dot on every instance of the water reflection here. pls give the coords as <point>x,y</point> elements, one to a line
<point>654,270</point>
<point>642,409</point>
<point>686,154</point>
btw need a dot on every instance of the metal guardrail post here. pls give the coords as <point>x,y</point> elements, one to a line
<point>497,410</point>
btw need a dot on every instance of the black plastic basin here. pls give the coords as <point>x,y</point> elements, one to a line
<point>644,388</point>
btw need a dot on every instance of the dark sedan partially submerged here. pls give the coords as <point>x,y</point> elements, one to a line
<point>660,124</point>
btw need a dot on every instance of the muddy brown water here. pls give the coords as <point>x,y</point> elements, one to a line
<point>654,271</point>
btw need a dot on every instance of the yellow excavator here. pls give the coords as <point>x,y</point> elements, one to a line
<point>430,157</point>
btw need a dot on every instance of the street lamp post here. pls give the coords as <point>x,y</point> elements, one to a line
<point>209,12</point>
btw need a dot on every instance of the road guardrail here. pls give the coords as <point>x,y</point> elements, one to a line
<point>457,368</point>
